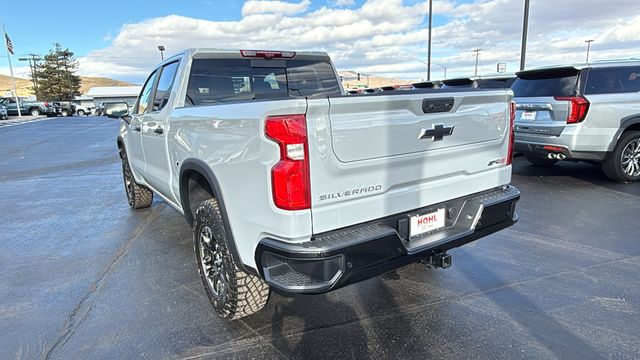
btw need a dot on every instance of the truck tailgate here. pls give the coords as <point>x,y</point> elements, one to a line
<point>365,128</point>
<point>374,156</point>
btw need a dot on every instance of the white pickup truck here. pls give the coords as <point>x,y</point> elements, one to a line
<point>290,184</point>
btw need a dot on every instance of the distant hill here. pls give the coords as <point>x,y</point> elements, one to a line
<point>25,86</point>
<point>350,80</point>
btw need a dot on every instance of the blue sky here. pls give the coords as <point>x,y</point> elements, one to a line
<point>118,39</point>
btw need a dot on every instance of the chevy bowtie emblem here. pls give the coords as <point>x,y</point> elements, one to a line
<point>437,132</point>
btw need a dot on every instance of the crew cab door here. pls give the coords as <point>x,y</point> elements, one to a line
<point>134,139</point>
<point>154,132</point>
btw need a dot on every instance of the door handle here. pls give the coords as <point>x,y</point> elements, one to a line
<point>158,130</point>
<point>136,128</point>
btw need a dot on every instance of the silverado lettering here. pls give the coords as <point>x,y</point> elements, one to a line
<point>351,192</point>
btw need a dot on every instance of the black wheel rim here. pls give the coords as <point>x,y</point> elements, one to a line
<point>211,257</point>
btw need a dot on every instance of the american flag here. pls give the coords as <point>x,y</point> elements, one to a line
<point>9,44</point>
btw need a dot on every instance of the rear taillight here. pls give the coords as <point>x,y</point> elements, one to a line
<point>512,135</point>
<point>290,176</point>
<point>578,107</point>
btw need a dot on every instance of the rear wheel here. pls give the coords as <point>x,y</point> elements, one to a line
<point>80,112</point>
<point>35,112</point>
<point>623,163</point>
<point>65,113</point>
<point>232,292</point>
<point>539,160</point>
<point>138,196</point>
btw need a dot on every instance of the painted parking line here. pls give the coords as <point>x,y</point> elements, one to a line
<point>14,122</point>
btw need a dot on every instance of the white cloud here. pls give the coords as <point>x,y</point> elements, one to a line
<point>253,7</point>
<point>381,36</point>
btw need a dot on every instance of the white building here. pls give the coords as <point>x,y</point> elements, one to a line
<point>107,94</point>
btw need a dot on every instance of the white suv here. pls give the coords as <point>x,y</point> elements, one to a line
<point>588,112</point>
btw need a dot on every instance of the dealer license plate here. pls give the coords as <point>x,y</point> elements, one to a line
<point>528,115</point>
<point>426,223</point>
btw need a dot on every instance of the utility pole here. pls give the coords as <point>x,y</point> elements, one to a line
<point>588,48</point>
<point>525,30</point>
<point>477,51</point>
<point>429,46</point>
<point>33,65</point>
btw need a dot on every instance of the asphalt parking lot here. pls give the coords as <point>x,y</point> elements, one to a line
<point>83,276</point>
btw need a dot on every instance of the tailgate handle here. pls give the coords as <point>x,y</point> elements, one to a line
<point>437,105</point>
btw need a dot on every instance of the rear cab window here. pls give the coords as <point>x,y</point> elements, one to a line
<point>546,83</point>
<point>613,80</point>
<point>214,81</point>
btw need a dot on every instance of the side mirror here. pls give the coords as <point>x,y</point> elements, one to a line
<point>116,110</point>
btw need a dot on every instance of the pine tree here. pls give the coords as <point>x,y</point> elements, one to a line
<point>56,75</point>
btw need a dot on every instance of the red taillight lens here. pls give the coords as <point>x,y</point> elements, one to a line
<point>290,176</point>
<point>578,107</point>
<point>512,135</point>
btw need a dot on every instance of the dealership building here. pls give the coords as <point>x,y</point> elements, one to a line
<point>108,94</point>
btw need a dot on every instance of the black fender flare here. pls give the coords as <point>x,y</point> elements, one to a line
<point>203,169</point>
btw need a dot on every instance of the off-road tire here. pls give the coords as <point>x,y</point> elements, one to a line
<point>138,196</point>
<point>612,163</point>
<point>538,160</point>
<point>245,293</point>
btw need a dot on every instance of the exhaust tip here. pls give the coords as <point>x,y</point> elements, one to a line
<point>561,156</point>
<point>551,156</point>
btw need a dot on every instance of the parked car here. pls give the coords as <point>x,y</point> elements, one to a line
<point>53,109</point>
<point>480,81</point>
<point>66,108</point>
<point>3,113</point>
<point>587,112</point>
<point>82,110</point>
<point>426,85</point>
<point>27,107</point>
<point>309,190</point>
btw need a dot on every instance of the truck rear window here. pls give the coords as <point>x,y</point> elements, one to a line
<point>560,82</point>
<point>215,81</point>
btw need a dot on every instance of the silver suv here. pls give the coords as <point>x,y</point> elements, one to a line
<point>587,112</point>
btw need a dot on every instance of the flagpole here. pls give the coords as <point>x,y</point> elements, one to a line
<point>13,80</point>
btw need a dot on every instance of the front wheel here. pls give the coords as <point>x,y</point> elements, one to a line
<point>80,112</point>
<point>623,163</point>
<point>232,292</point>
<point>138,196</point>
<point>539,160</point>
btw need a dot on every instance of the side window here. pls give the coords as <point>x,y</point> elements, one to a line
<point>143,99</point>
<point>165,83</point>
<point>613,80</point>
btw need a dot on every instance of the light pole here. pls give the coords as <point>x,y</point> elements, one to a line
<point>444,68</point>
<point>477,51</point>
<point>525,30</point>
<point>429,46</point>
<point>161,48</point>
<point>426,63</point>
<point>588,48</point>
